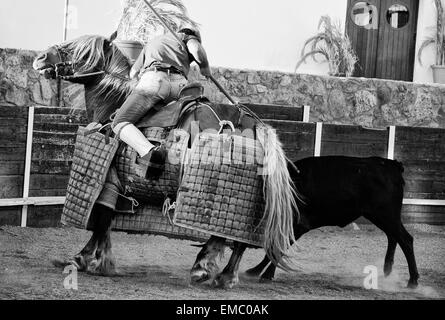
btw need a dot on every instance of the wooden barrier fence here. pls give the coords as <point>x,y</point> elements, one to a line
<point>36,145</point>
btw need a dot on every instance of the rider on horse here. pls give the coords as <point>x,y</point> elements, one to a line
<point>162,70</point>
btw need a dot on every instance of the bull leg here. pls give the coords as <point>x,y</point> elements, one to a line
<point>394,229</point>
<point>256,271</point>
<point>269,274</point>
<point>229,277</point>
<point>205,266</point>
<point>405,241</point>
<point>389,258</point>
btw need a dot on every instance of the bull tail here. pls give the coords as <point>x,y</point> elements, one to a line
<point>400,166</point>
<point>280,200</point>
<point>401,169</point>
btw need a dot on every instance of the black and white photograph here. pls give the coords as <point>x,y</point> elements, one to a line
<point>234,152</point>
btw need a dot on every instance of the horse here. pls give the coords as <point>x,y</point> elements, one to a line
<point>98,64</point>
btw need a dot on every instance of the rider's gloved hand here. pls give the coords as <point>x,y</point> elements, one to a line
<point>49,73</point>
<point>206,72</point>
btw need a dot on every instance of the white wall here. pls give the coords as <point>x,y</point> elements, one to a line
<point>425,28</point>
<point>253,34</point>
<point>35,25</point>
<point>260,34</point>
<point>29,24</point>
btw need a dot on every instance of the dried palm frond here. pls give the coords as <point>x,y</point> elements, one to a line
<point>439,37</point>
<point>334,46</point>
<point>139,23</point>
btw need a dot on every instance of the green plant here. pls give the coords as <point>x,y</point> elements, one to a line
<point>438,39</point>
<point>139,23</point>
<point>333,45</point>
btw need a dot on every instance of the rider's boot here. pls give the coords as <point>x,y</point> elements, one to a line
<point>155,162</point>
<point>152,158</point>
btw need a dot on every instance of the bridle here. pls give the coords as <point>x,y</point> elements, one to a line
<point>65,69</point>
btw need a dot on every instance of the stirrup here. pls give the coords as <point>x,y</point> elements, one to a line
<point>153,168</point>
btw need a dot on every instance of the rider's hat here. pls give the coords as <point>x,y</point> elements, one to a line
<point>191,30</point>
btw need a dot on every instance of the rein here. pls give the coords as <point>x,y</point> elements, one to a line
<point>65,69</point>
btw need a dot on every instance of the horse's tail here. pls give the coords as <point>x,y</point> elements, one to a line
<point>280,199</point>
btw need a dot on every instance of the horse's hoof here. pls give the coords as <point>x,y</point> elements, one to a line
<point>225,281</point>
<point>199,275</point>
<point>102,267</point>
<point>203,271</point>
<point>265,280</point>
<point>77,261</point>
<point>80,262</point>
<point>60,263</point>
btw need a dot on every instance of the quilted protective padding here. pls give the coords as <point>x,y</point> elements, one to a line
<point>149,219</point>
<point>90,163</point>
<point>150,191</point>
<point>221,190</point>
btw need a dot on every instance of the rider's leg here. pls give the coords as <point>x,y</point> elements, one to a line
<point>133,137</point>
<point>153,87</point>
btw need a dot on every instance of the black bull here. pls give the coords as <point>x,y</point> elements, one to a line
<point>338,190</point>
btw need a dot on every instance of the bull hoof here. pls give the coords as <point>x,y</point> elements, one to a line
<point>102,267</point>
<point>387,269</point>
<point>412,284</point>
<point>265,280</point>
<point>253,273</point>
<point>225,281</point>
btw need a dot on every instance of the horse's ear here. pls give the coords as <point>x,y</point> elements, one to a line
<point>113,36</point>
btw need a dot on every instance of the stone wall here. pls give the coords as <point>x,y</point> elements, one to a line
<point>21,85</point>
<point>367,102</point>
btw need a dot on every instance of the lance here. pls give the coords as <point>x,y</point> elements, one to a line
<point>180,41</point>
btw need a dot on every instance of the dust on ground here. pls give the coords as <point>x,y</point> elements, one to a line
<point>330,264</point>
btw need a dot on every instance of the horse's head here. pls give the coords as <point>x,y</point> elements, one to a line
<point>82,60</point>
<point>95,62</point>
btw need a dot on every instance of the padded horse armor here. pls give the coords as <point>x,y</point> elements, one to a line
<point>92,166</point>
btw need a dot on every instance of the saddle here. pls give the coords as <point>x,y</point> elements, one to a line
<point>169,115</point>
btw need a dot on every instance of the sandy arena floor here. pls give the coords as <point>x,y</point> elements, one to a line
<point>331,262</point>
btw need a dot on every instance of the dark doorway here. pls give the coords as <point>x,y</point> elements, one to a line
<point>383,34</point>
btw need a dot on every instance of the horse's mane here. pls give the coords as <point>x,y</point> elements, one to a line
<point>110,90</point>
<point>88,49</point>
<point>114,87</point>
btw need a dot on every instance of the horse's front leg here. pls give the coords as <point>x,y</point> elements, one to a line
<point>229,277</point>
<point>86,255</point>
<point>205,266</point>
<point>103,262</point>
<point>84,258</point>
